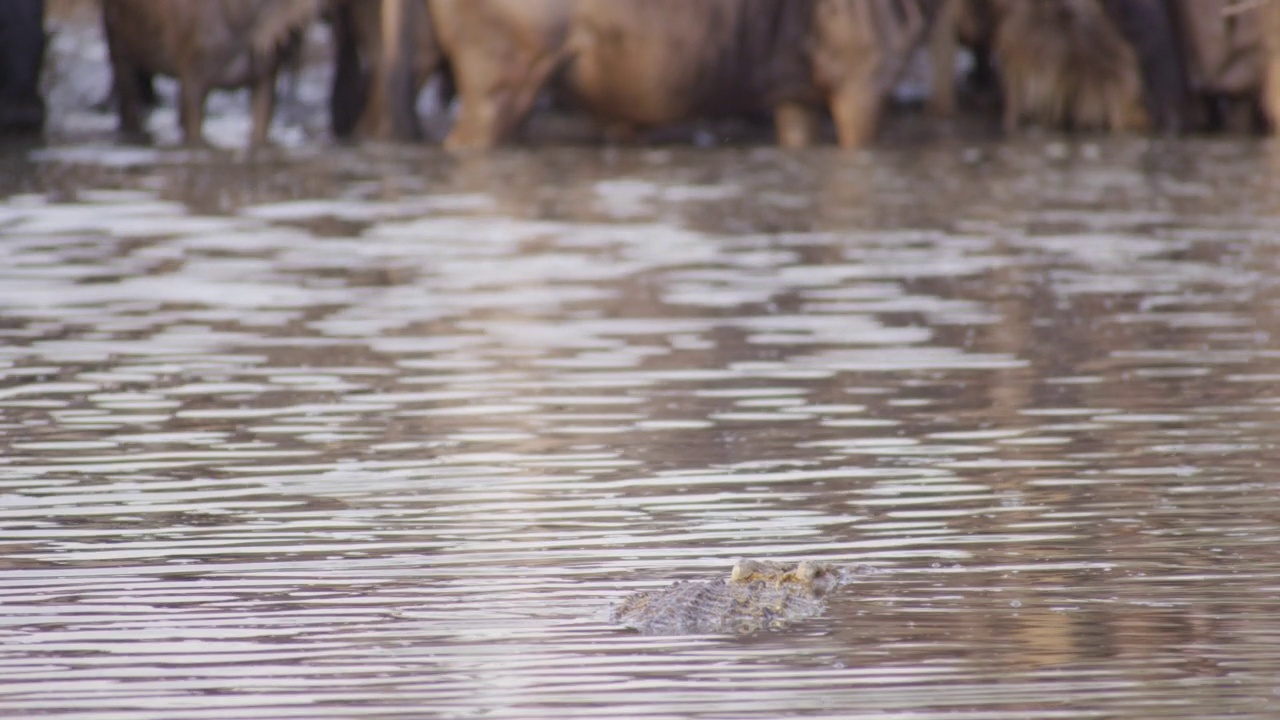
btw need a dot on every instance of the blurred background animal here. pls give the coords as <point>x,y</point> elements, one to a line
<point>1063,63</point>
<point>205,45</point>
<point>638,66</point>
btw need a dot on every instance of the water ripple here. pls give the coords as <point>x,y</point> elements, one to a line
<point>371,434</point>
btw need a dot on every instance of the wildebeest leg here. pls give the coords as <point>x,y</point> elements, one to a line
<point>146,88</point>
<point>385,51</point>
<point>479,78</point>
<point>861,49</point>
<point>393,76</point>
<point>126,87</point>
<point>390,112</point>
<point>497,92</point>
<point>1149,26</point>
<point>1012,106</point>
<point>349,88</point>
<point>1270,22</point>
<point>855,108</point>
<point>796,125</point>
<point>130,103</point>
<point>524,92</point>
<point>899,26</point>
<point>22,45</point>
<point>943,47</point>
<point>481,124</point>
<point>289,70</point>
<point>191,98</point>
<point>264,102</point>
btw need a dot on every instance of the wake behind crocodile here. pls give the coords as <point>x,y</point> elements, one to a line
<point>758,595</point>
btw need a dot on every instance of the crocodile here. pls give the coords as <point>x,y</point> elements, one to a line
<point>758,595</point>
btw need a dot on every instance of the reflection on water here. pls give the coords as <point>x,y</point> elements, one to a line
<point>382,433</point>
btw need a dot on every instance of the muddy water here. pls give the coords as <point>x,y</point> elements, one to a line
<point>382,434</point>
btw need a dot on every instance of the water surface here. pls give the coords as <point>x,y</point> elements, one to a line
<point>380,433</point>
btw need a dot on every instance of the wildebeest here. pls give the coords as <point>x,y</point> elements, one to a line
<point>638,64</point>
<point>22,44</point>
<point>644,63</point>
<point>1064,63</point>
<point>205,44</point>
<point>1056,55</point>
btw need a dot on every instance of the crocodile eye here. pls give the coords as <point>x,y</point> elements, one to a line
<point>743,569</point>
<point>811,571</point>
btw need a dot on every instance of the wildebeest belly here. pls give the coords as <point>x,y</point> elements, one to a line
<point>223,43</point>
<point>650,62</point>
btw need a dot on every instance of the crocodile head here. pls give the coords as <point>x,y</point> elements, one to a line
<point>810,576</point>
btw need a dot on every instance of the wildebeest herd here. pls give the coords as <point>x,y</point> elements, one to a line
<point>1167,66</point>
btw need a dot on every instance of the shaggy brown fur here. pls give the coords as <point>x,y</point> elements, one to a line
<point>205,44</point>
<point>1064,64</point>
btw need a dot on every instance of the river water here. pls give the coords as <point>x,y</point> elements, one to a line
<point>381,433</point>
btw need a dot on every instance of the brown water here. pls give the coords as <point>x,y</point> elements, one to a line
<point>339,433</point>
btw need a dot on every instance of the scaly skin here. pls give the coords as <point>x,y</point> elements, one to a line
<point>757,595</point>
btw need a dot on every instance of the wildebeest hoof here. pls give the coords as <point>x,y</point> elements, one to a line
<point>21,118</point>
<point>135,137</point>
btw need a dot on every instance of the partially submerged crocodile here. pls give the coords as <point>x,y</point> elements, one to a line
<point>757,595</point>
